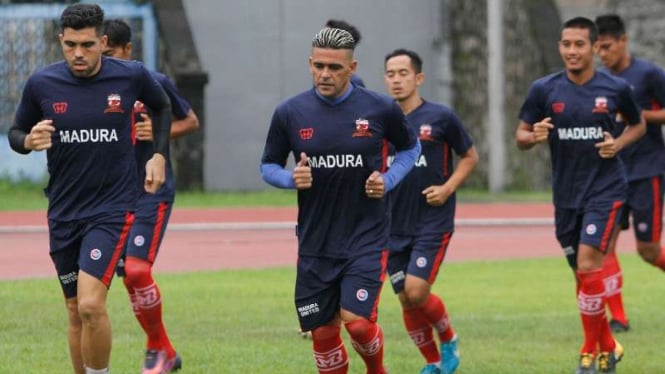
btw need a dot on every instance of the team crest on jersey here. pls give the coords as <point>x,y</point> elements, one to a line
<point>362,128</point>
<point>600,105</point>
<point>114,104</point>
<point>558,107</point>
<point>306,134</point>
<point>60,107</point>
<point>426,132</point>
<point>139,107</point>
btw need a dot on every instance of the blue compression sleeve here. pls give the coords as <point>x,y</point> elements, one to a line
<point>402,164</point>
<point>277,176</point>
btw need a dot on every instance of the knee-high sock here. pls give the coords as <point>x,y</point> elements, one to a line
<point>613,283</point>
<point>591,306</point>
<point>149,300</point>
<point>329,352</point>
<point>435,312</point>
<point>367,340</point>
<point>420,332</point>
<point>133,300</point>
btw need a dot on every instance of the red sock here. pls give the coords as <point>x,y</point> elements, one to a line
<point>591,306</point>
<point>660,261</point>
<point>134,302</point>
<point>367,340</point>
<point>606,341</point>
<point>149,300</point>
<point>613,280</point>
<point>329,352</point>
<point>435,312</point>
<point>420,331</point>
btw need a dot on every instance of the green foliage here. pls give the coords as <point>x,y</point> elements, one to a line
<point>511,316</point>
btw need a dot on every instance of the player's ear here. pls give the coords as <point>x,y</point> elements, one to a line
<point>104,40</point>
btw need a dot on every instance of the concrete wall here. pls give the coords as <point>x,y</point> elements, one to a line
<point>256,54</point>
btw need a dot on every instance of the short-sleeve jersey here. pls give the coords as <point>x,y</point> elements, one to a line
<point>580,114</point>
<point>344,143</point>
<point>91,162</point>
<point>441,133</point>
<point>144,150</point>
<point>646,157</point>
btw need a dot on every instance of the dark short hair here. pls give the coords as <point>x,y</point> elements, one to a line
<point>118,32</point>
<point>81,16</point>
<point>582,23</point>
<point>341,24</point>
<point>416,61</point>
<point>610,24</point>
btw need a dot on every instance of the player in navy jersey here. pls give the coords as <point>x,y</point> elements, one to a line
<point>574,111</point>
<point>645,160</point>
<point>79,111</point>
<point>423,211</point>
<point>152,213</point>
<point>339,135</point>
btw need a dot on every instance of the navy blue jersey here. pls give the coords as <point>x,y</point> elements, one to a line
<point>144,150</point>
<point>91,162</point>
<point>441,133</point>
<point>344,143</point>
<point>580,114</point>
<point>646,157</point>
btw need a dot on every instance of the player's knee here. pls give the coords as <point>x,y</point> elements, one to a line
<point>325,332</point>
<point>136,272</point>
<point>90,308</point>
<point>73,313</point>
<point>649,251</point>
<point>359,328</point>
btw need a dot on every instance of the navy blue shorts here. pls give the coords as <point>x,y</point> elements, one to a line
<point>324,286</point>
<point>148,229</point>
<point>92,245</point>
<point>418,256</point>
<point>592,226</point>
<point>645,205</point>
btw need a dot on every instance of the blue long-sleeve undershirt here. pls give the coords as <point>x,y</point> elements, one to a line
<point>277,176</point>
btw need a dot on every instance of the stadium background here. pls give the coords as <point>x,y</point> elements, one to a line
<point>236,60</point>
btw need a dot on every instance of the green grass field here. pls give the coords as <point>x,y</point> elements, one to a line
<point>512,317</point>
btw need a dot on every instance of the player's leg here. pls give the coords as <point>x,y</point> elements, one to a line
<point>417,326</point>
<point>599,223</point>
<point>65,241</point>
<point>101,247</point>
<point>648,221</point>
<point>144,293</point>
<point>317,300</point>
<point>361,289</point>
<point>613,277</point>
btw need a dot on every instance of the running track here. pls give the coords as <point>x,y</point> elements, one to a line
<point>242,238</point>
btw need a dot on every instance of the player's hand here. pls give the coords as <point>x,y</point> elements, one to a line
<point>541,130</point>
<point>302,173</point>
<point>155,173</point>
<point>375,186</point>
<point>437,195</point>
<point>608,147</point>
<point>40,136</point>
<point>144,128</point>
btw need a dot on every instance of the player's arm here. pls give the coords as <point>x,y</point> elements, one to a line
<point>526,136</point>
<point>437,195</point>
<point>631,134</point>
<point>656,83</point>
<point>179,127</point>
<point>156,99</point>
<point>185,125</point>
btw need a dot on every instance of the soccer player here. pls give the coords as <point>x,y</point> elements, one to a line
<point>78,110</point>
<point>423,211</point>
<point>152,212</point>
<point>338,134</point>
<point>574,111</point>
<point>645,160</point>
